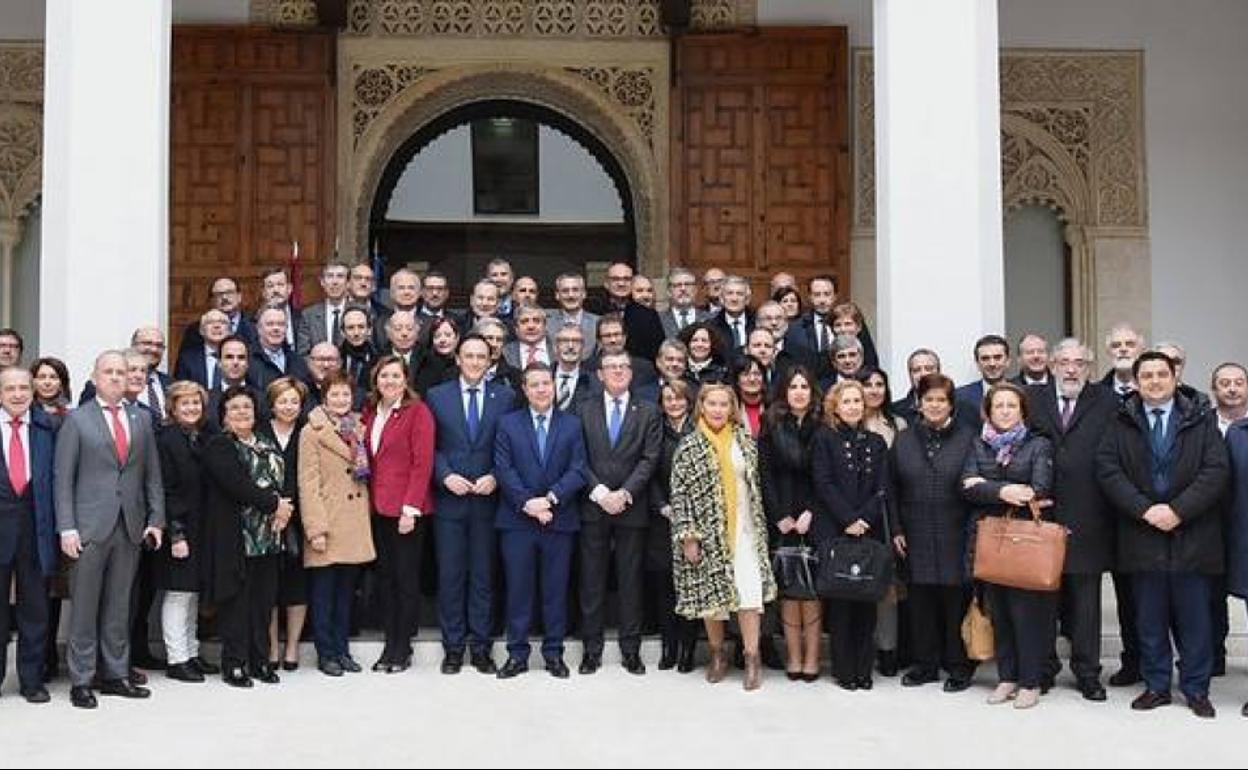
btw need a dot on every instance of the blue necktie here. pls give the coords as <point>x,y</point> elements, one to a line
<point>613,427</point>
<point>541,438</point>
<point>474,417</point>
<point>1158,434</point>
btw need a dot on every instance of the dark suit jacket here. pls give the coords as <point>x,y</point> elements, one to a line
<point>311,328</point>
<point>587,384</point>
<point>261,371</point>
<point>88,389</point>
<point>670,326</point>
<point>455,452</point>
<point>522,475</point>
<point>1078,503</point>
<point>93,488</point>
<point>968,400</point>
<point>726,337</point>
<point>229,489</point>
<point>191,337</point>
<point>39,493</point>
<point>191,365</point>
<point>183,479</point>
<point>629,464</point>
<point>641,325</point>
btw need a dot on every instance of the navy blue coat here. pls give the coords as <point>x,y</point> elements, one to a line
<point>455,453</point>
<point>522,475</point>
<point>1237,510</point>
<point>42,452</point>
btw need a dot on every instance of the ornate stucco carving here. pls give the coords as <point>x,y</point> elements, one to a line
<point>284,13</point>
<point>566,19</point>
<point>632,89</point>
<point>1072,124</point>
<point>21,128</point>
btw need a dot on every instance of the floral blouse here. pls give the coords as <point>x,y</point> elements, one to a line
<point>264,463</point>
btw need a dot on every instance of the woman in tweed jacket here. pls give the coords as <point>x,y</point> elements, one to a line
<point>719,532</point>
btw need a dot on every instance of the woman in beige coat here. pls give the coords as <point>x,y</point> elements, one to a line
<point>333,493</point>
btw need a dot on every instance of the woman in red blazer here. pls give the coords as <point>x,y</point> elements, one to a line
<point>399,432</point>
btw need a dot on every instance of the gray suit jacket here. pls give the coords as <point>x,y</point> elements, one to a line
<point>92,487</point>
<point>630,463</point>
<point>511,352</point>
<point>311,329</point>
<point>668,318</point>
<point>556,319</point>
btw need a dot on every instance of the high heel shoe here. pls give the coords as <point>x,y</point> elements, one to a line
<point>753,672</point>
<point>667,660</point>
<point>717,669</point>
<point>290,665</point>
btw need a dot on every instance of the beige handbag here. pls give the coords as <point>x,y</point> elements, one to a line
<point>977,635</point>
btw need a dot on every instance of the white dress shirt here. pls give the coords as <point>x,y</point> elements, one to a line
<point>121,416</point>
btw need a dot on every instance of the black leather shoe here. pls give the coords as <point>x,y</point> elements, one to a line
<point>235,676</point>
<point>512,668</point>
<point>865,683</point>
<point>290,665</point>
<point>886,663</point>
<point>667,661</point>
<point>1149,700</point>
<point>1092,689</point>
<point>1046,684</point>
<point>684,664</point>
<point>382,663</point>
<point>956,684</point>
<point>1125,677</point>
<point>147,661</point>
<point>452,663</point>
<point>329,667</point>
<point>137,677</point>
<point>265,673</point>
<point>123,689</point>
<point>557,668</point>
<point>847,684</point>
<point>204,667</point>
<point>483,663</point>
<point>399,666</point>
<point>1201,707</point>
<point>38,694</point>
<point>184,672</point>
<point>82,697</point>
<point>349,664</point>
<point>917,676</point>
<point>1243,712</point>
<point>632,663</point>
<point>590,663</point>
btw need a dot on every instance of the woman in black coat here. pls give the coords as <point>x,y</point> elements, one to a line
<point>436,348</point>
<point>850,470</point>
<point>680,635</point>
<point>178,563</point>
<point>927,463</point>
<point>246,514</point>
<point>784,455</point>
<point>1008,465</point>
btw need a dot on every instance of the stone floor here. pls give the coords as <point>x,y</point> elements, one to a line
<point>611,719</point>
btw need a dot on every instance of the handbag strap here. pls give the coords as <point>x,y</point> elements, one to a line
<point>1033,507</point>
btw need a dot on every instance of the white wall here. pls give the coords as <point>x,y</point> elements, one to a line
<point>1035,274</point>
<point>23,19</point>
<point>1196,137</point>
<point>437,185</point>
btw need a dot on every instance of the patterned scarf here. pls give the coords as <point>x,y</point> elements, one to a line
<point>1004,444</point>
<point>721,442</point>
<point>351,431</point>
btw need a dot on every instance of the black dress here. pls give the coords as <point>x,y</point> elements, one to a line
<point>292,581</point>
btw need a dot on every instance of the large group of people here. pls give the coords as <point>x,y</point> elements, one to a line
<point>534,453</point>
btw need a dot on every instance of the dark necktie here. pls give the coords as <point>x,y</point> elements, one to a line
<point>474,417</point>
<point>214,379</point>
<point>541,438</point>
<point>153,396</point>
<point>617,419</point>
<point>565,391</point>
<point>684,319</point>
<point>1158,433</point>
<point>1067,411</point>
<point>334,332</point>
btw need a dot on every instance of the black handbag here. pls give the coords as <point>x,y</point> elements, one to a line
<point>795,568</point>
<point>857,569</point>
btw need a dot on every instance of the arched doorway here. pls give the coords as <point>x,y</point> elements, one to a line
<point>457,241</point>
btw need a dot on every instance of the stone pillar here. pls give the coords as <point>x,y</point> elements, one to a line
<point>940,275</point>
<point>104,267</point>
<point>10,236</point>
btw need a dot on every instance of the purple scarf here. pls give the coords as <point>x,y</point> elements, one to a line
<point>1004,444</point>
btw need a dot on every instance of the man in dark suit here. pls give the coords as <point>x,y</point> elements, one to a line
<point>228,298</point>
<point>482,305</point>
<point>1074,414</point>
<point>642,326</point>
<point>919,364</point>
<point>1033,361</point>
<point>322,322</point>
<point>612,339</point>
<point>570,294</point>
<point>499,272</point>
<point>623,440</point>
<point>682,287</point>
<point>574,381</point>
<point>1123,344</point>
<point>275,289</point>
<point>539,454</point>
<point>434,295</point>
<point>201,362</point>
<point>735,320</point>
<point>466,410</point>
<point>150,341</point>
<point>109,499</point>
<point>27,528</point>
<point>992,357</point>
<point>273,357</point>
<point>1164,468</point>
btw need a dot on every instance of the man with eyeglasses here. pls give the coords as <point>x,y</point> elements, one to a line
<point>275,290</point>
<point>682,288</point>
<point>1123,344</point>
<point>846,358</point>
<point>201,361</point>
<point>494,332</point>
<point>433,297</point>
<point>573,382</point>
<point>11,347</point>
<point>570,294</point>
<point>150,341</point>
<point>228,298</point>
<point>613,339</point>
<point>712,285</point>
<point>1075,414</point>
<point>641,324</point>
<point>323,361</point>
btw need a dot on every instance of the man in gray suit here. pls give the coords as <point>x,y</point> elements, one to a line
<point>570,294</point>
<point>322,322</point>
<point>109,500</point>
<point>623,440</point>
<point>682,286</point>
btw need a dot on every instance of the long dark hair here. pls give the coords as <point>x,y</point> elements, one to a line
<point>62,373</point>
<point>886,408</point>
<point>778,411</point>
<point>374,395</point>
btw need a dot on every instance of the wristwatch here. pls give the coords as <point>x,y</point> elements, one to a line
<point>552,499</point>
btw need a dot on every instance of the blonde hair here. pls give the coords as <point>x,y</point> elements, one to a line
<point>833,400</point>
<point>734,415</point>
<point>186,389</point>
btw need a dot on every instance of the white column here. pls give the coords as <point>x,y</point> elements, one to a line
<point>104,266</point>
<point>940,278</point>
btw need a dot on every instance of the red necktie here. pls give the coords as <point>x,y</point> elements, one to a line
<point>18,476</point>
<point>532,356</point>
<point>119,435</point>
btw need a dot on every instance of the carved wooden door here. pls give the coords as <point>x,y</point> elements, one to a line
<point>760,160</point>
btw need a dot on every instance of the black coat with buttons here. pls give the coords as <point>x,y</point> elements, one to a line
<point>851,474</point>
<point>927,475</point>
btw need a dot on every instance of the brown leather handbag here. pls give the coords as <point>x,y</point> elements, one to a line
<point>1020,552</point>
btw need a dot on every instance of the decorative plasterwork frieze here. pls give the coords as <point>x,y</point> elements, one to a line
<point>21,128</point>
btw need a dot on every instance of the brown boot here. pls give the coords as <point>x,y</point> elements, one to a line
<point>717,669</point>
<point>753,672</point>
